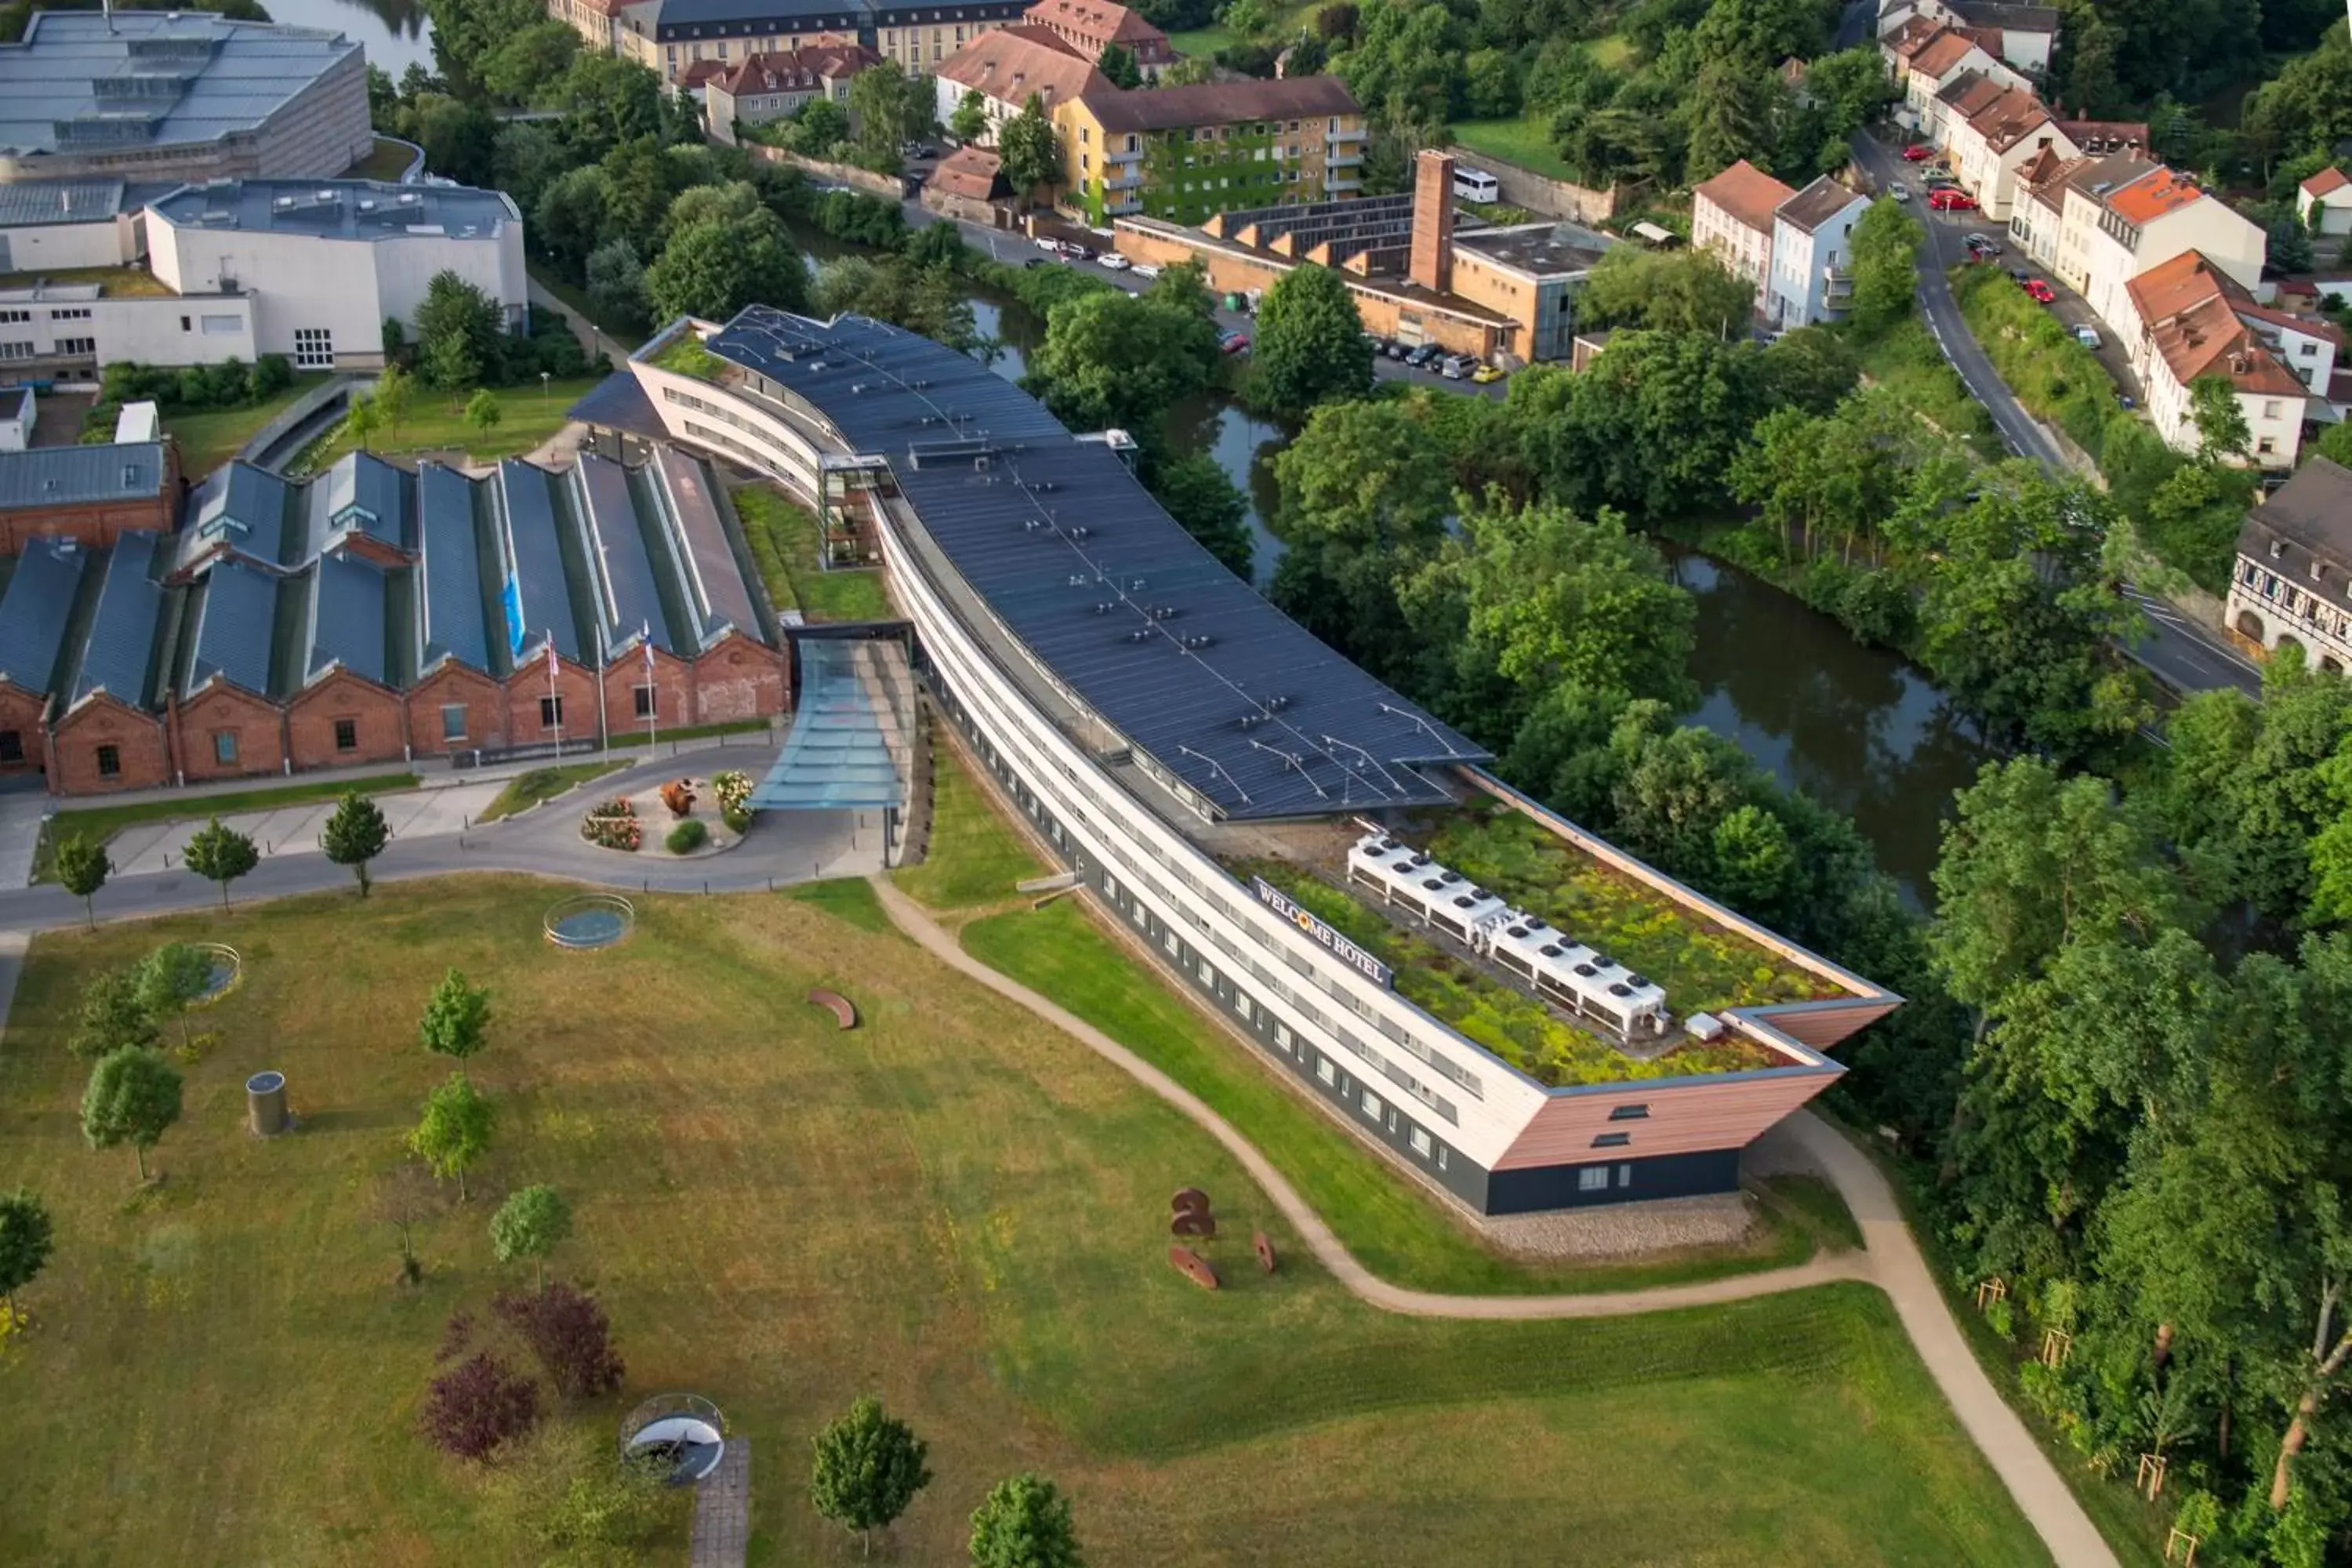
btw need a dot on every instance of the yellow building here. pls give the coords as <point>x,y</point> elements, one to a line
<point>1184,154</point>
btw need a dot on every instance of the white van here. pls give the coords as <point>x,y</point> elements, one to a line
<point>1476,185</point>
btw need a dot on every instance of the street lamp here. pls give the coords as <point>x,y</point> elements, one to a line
<point>542,388</point>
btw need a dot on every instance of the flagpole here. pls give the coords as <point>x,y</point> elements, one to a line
<point>603,658</point>
<point>555,698</point>
<point>653,695</point>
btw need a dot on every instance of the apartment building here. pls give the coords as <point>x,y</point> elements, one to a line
<point>1732,215</point>
<point>2020,37</point>
<point>1925,58</point>
<point>2292,584</point>
<point>764,87</point>
<point>1184,154</point>
<point>1008,65</point>
<point>2002,129</point>
<point>2185,325</point>
<point>1811,269</point>
<point>1090,26</point>
<point>2124,214</point>
<point>2324,203</point>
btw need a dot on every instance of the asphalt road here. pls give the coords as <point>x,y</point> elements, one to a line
<point>2176,650</point>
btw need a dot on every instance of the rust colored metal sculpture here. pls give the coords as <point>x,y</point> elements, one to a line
<point>1264,1250</point>
<point>844,1012</point>
<point>679,795</point>
<point>1192,1200</point>
<point>1193,1266</point>
<point>1193,1223</point>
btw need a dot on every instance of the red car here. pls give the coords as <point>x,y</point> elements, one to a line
<point>2038,291</point>
<point>1917,153</point>
<point>1949,200</point>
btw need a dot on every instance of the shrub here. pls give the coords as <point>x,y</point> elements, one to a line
<point>738,821</point>
<point>613,825</point>
<point>733,787</point>
<point>566,1328</point>
<point>477,1405</point>
<point>687,837</point>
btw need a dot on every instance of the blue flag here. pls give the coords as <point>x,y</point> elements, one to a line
<point>511,598</point>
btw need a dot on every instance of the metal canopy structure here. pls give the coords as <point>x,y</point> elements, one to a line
<point>852,741</point>
<point>1119,606</point>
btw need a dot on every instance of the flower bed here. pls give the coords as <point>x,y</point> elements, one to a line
<point>612,825</point>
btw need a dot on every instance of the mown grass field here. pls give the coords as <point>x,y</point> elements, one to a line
<point>528,417</point>
<point>209,437</point>
<point>951,1207</point>
<point>526,790</point>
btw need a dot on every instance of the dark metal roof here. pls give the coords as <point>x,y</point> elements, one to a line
<point>537,553</point>
<point>1101,585</point>
<point>243,506</point>
<point>629,596</point>
<point>346,620</point>
<point>339,209</point>
<point>33,611</point>
<point>80,476</point>
<point>26,204</point>
<point>120,648</point>
<point>450,590</point>
<point>363,492</point>
<point>715,579</point>
<point>234,616</point>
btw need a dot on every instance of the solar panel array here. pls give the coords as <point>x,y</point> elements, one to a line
<point>1100,585</point>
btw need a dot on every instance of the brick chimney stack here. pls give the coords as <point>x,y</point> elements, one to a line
<point>1433,222</point>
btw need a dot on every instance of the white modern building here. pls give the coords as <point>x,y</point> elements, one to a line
<point>1155,720</point>
<point>1813,254</point>
<point>173,95</point>
<point>74,328</point>
<point>54,225</point>
<point>326,263</point>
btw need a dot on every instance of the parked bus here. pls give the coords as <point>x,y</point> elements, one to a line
<point>1476,185</point>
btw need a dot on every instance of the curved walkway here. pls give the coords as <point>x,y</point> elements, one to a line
<point>1890,1259</point>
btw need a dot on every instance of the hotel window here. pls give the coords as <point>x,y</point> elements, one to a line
<point>225,748</point>
<point>1173,946</point>
<point>2266,446</point>
<point>109,763</point>
<point>1372,1107</point>
<point>347,734</point>
<point>1282,1035</point>
<point>550,712</point>
<point>15,318</point>
<point>641,701</point>
<point>12,746</point>
<point>78,346</point>
<point>1419,1141</point>
<point>1592,1178</point>
<point>82,314</point>
<point>453,721</point>
<point>16,349</point>
<point>1323,1067</point>
<point>1624,1175</point>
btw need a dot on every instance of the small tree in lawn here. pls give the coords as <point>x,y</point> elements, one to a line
<point>134,1096</point>
<point>395,396</point>
<point>172,980</point>
<point>477,1405</point>
<point>456,1017</point>
<point>82,867</point>
<point>355,835</point>
<point>532,1223</point>
<point>566,1328</point>
<point>404,1198</point>
<point>114,1017</point>
<point>868,1468</point>
<point>483,413</point>
<point>219,853</point>
<point>363,421</point>
<point>25,1238</point>
<point>1024,1522</point>
<point>454,1133</point>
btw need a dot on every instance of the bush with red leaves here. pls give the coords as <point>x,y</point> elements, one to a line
<point>569,1332</point>
<point>477,1405</point>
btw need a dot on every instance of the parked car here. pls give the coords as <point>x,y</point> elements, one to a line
<point>1951,199</point>
<point>1396,349</point>
<point>1036,261</point>
<point>1899,190</point>
<point>2041,293</point>
<point>1112,261</point>
<point>1458,367</point>
<point>2087,336</point>
<point>1485,373</point>
<point>1233,342</point>
<point>1936,179</point>
<point>1078,252</point>
<point>1918,153</point>
<point>1420,355</point>
<point>2022,276</point>
<point>1146,270</point>
<point>1046,242</point>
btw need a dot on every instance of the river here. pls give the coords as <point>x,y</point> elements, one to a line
<point>396,34</point>
<point>1857,728</point>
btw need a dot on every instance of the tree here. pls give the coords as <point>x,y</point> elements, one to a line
<point>969,120</point>
<point>616,282</point>
<point>25,1238</point>
<point>172,980</point>
<point>1668,291</point>
<point>364,420</point>
<point>455,1132</point>
<point>714,268</point>
<point>1196,492</point>
<point>567,1330</point>
<point>569,219</point>
<point>82,867</point>
<point>531,1224</point>
<point>461,335</point>
<point>2221,432</point>
<point>819,127</point>
<point>1024,1522</point>
<point>1031,149</point>
<point>881,100</point>
<point>1886,267</point>
<point>476,1405</point>
<point>1112,360</point>
<point>1310,345</point>
<point>529,60</point>
<point>220,854</point>
<point>456,1017</point>
<point>405,1197</point>
<point>868,1466</point>
<point>133,1097</point>
<point>1734,109</point>
<point>395,397</point>
<point>357,832</point>
<point>114,1014</point>
<point>482,414</point>
<point>1118,63</point>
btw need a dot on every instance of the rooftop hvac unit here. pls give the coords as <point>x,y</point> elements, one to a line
<point>1198,640</point>
<point>1702,1026</point>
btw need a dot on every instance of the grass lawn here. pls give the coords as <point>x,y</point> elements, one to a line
<point>103,821</point>
<point>1524,139</point>
<point>387,161</point>
<point>116,282</point>
<point>1906,361</point>
<point>1202,40</point>
<point>782,536</point>
<point>685,732</point>
<point>950,1207</point>
<point>437,423</point>
<point>211,436</point>
<point>529,789</point>
<point>974,858</point>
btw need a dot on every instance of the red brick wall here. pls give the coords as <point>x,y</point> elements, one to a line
<point>21,710</point>
<point>486,710</point>
<point>92,525</point>
<point>220,707</point>
<point>673,681</point>
<point>376,713</point>
<point>526,685</point>
<point>137,737</point>
<point>739,679</point>
<point>1432,221</point>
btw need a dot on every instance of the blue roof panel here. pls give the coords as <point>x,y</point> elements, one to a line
<point>33,614</point>
<point>715,579</point>
<point>631,597</point>
<point>233,627</point>
<point>346,620</point>
<point>452,570</point>
<point>120,648</point>
<point>538,558</point>
<point>81,476</point>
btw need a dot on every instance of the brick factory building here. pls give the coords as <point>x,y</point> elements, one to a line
<point>374,614</point>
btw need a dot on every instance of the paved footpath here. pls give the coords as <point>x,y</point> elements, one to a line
<point>153,846</point>
<point>1890,1259</point>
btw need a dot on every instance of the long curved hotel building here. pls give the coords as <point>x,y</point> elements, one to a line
<point>1508,1006</point>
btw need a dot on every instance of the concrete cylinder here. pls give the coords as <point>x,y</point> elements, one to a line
<point>265,1103</point>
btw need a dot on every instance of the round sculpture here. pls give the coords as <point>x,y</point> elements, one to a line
<point>1193,1223</point>
<point>228,969</point>
<point>1193,1266</point>
<point>682,1434</point>
<point>1192,1200</point>
<point>589,920</point>
<point>1264,1250</point>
